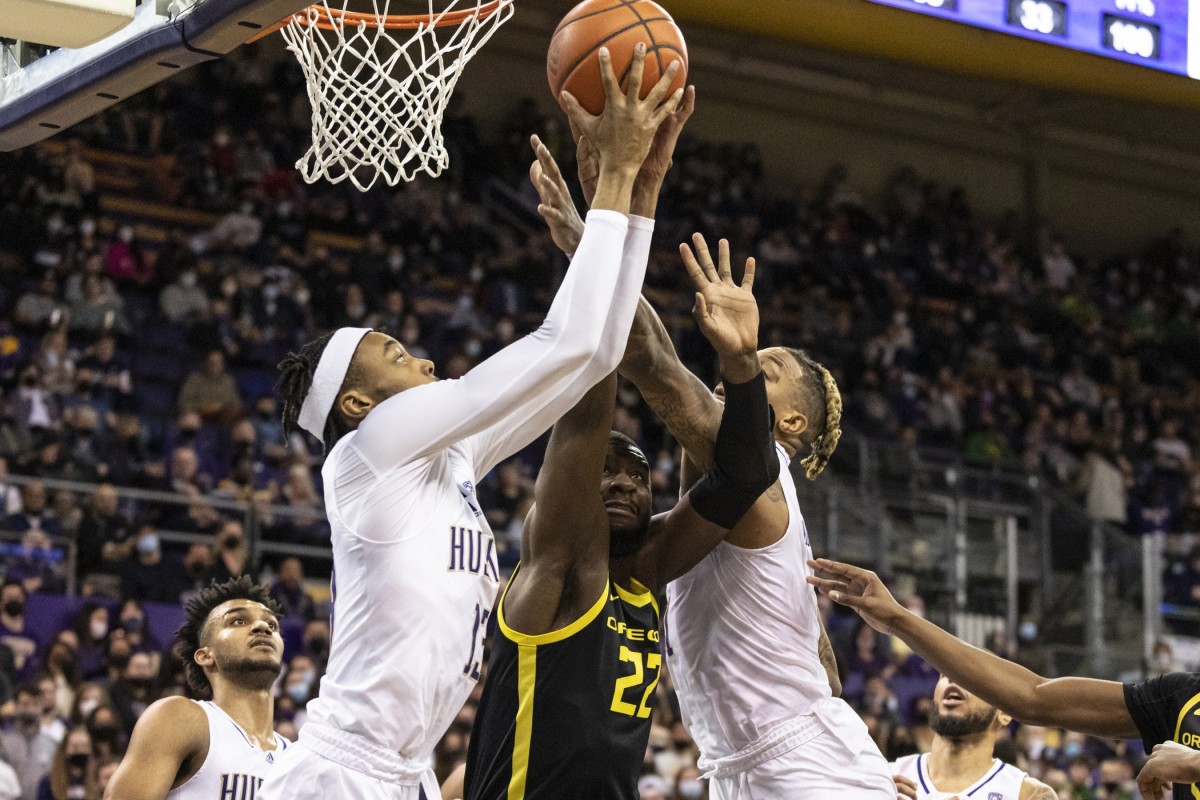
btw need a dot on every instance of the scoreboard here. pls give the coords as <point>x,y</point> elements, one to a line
<point>1153,33</point>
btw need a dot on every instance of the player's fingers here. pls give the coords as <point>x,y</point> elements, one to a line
<point>838,569</point>
<point>826,585</point>
<point>700,309</point>
<point>705,257</point>
<point>659,93</point>
<point>724,272</point>
<point>665,110</point>
<point>577,114</point>
<point>694,271</point>
<point>636,72</point>
<point>905,787</point>
<point>612,89</point>
<point>535,142</point>
<point>686,107</point>
<point>748,276</point>
<point>549,165</point>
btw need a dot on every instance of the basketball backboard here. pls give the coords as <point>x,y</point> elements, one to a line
<point>45,90</point>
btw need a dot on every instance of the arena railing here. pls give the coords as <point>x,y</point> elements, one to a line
<point>980,540</point>
<point>70,496</point>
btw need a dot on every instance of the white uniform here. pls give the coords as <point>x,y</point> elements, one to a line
<point>1001,781</point>
<point>742,646</point>
<point>234,767</point>
<point>415,574</point>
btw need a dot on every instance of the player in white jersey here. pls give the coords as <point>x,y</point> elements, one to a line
<point>219,749</point>
<point>960,765</point>
<point>750,659</point>
<point>415,574</point>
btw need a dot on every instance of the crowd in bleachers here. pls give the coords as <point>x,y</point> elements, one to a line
<point>154,268</point>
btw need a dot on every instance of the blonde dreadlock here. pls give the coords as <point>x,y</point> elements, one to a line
<point>823,388</point>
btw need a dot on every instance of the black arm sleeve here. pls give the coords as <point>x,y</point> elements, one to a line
<point>744,461</point>
<point>1157,706</point>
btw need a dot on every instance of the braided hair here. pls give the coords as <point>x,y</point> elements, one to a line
<point>296,373</point>
<point>826,406</point>
<point>189,638</point>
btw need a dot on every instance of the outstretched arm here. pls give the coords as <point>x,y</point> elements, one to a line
<point>170,735</point>
<point>564,555</point>
<point>745,463</point>
<point>1089,706</point>
<point>679,398</point>
<point>508,400</point>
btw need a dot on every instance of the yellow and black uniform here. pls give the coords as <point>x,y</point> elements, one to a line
<point>1167,709</point>
<point>567,714</point>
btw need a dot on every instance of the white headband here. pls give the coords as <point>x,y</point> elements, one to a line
<point>328,378</point>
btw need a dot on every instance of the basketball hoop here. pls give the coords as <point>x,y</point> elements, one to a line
<point>379,84</point>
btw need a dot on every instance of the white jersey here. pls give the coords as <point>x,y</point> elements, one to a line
<point>234,767</point>
<point>1000,782</point>
<point>415,575</point>
<point>742,638</point>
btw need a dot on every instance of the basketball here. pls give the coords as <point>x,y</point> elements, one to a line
<point>573,63</point>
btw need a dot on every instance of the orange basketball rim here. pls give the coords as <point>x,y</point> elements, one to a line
<point>331,19</point>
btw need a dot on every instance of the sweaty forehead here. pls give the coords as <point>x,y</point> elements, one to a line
<point>782,360</point>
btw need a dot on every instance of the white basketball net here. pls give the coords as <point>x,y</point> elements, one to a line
<point>378,95</point>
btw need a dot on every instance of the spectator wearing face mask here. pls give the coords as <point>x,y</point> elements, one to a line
<point>134,691</point>
<point>108,742</point>
<point>91,630</point>
<point>231,555</point>
<point>24,644</point>
<point>72,776</point>
<point>316,642</point>
<point>29,751</point>
<point>184,300</point>
<point>689,786</point>
<point>131,618</point>
<point>150,576</point>
<point>652,787</point>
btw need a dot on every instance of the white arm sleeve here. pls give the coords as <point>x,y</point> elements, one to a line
<point>499,442</point>
<point>517,387</point>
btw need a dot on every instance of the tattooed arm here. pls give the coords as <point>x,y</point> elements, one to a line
<point>679,398</point>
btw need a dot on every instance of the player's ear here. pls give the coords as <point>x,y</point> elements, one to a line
<point>1003,720</point>
<point>204,658</point>
<point>354,404</point>
<point>792,422</point>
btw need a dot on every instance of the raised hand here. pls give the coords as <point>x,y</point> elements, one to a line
<point>624,131</point>
<point>859,589</point>
<point>726,312</point>
<point>658,160</point>
<point>556,207</point>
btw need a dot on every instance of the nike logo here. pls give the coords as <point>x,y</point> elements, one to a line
<point>618,597</point>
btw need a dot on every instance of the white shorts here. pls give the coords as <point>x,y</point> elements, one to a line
<point>327,763</point>
<point>827,755</point>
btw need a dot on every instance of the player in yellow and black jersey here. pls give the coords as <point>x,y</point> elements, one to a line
<point>1163,712</point>
<point>566,708</point>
